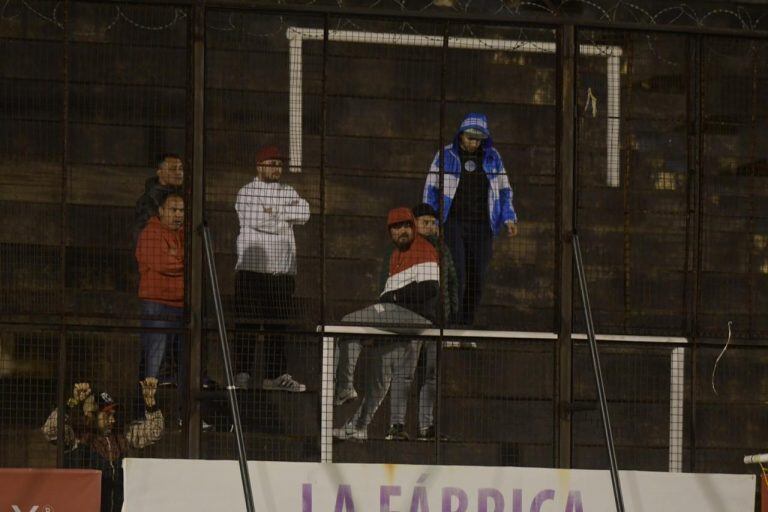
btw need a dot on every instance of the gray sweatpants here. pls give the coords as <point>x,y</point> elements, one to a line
<point>394,365</point>
<point>376,315</point>
<point>428,391</point>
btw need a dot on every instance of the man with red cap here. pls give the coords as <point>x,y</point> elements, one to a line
<point>266,269</point>
<point>410,296</point>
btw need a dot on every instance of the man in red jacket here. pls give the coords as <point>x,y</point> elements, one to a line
<point>160,255</point>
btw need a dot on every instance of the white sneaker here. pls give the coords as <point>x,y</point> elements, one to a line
<point>283,383</point>
<point>242,380</point>
<point>350,432</point>
<point>344,396</point>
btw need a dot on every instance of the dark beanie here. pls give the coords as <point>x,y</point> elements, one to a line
<point>423,209</point>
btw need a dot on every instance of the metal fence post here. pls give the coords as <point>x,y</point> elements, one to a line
<point>196,274</point>
<point>566,160</point>
<point>694,221</point>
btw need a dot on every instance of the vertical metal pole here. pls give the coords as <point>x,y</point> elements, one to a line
<point>62,356</point>
<point>615,481</point>
<point>235,409</point>
<point>695,177</point>
<point>327,343</point>
<point>566,162</point>
<point>197,193</point>
<point>441,237</point>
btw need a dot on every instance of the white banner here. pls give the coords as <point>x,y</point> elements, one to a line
<point>196,485</point>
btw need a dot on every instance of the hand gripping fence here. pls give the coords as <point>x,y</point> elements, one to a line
<point>241,456</point>
<point>616,483</point>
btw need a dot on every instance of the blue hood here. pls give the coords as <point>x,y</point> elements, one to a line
<point>477,121</point>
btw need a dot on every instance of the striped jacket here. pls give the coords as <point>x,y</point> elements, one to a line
<point>413,279</point>
<point>500,208</point>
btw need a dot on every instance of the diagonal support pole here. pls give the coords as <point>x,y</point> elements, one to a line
<point>616,483</point>
<point>241,456</point>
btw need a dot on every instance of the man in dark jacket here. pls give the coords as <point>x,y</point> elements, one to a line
<point>170,178</point>
<point>410,297</point>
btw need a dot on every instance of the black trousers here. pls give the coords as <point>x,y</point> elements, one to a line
<point>264,302</point>
<point>471,246</point>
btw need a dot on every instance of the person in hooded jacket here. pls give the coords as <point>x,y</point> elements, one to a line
<point>477,206</point>
<point>169,178</point>
<point>94,439</point>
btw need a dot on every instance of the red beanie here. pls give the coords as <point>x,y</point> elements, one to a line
<point>269,153</point>
<point>401,214</point>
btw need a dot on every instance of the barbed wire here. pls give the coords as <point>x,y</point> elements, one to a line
<point>604,10</point>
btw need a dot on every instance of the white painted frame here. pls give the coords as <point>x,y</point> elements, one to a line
<point>676,372</point>
<point>297,35</point>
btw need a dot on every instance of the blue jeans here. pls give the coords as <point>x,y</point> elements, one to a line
<point>154,344</point>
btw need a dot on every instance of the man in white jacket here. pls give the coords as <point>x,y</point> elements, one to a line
<point>266,270</point>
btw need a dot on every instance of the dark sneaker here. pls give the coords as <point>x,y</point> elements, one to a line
<point>397,433</point>
<point>283,383</point>
<point>428,434</point>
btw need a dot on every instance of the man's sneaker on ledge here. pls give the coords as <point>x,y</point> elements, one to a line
<point>428,434</point>
<point>345,395</point>
<point>283,383</point>
<point>242,380</point>
<point>350,432</point>
<point>397,433</point>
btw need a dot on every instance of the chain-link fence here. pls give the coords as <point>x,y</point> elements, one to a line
<point>387,200</point>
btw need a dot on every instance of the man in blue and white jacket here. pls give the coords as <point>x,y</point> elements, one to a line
<point>477,206</point>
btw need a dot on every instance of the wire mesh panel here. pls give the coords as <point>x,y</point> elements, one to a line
<point>501,234</point>
<point>379,137</point>
<point>31,149</point>
<point>632,181</point>
<point>479,402</point>
<point>382,198</point>
<point>127,71</point>
<point>263,202</point>
<point>733,273</point>
<point>278,424</point>
<point>28,368</point>
<point>730,409</point>
<point>498,395</point>
<point>645,392</point>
